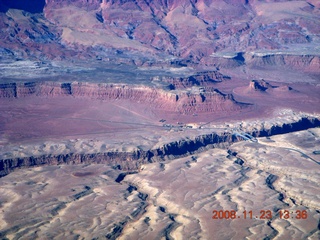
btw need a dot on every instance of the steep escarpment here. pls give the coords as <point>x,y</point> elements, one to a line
<point>301,124</point>
<point>121,160</point>
<point>210,101</point>
<point>134,159</point>
<point>199,79</point>
<point>307,62</point>
<point>187,102</point>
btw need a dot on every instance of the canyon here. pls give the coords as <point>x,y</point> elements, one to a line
<point>131,161</point>
<point>147,106</point>
<point>115,146</point>
<point>159,119</point>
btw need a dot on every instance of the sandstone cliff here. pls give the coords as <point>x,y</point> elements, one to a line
<point>199,79</point>
<point>186,102</point>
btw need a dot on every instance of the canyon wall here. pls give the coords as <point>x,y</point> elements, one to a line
<point>133,160</point>
<point>309,63</point>
<point>186,102</point>
<point>199,79</point>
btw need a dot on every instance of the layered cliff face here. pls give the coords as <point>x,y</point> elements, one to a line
<point>189,102</point>
<point>135,159</point>
<point>307,62</point>
<point>200,79</point>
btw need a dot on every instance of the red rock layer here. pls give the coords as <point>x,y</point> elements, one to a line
<point>263,86</point>
<point>182,102</point>
<point>199,79</point>
<point>259,85</point>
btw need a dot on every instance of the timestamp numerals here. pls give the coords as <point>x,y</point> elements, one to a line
<point>298,214</point>
<point>232,214</point>
<point>265,214</point>
<point>224,214</point>
<point>262,214</point>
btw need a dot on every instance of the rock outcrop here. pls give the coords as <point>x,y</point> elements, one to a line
<point>307,62</point>
<point>133,160</point>
<point>264,86</point>
<point>259,85</point>
<point>200,79</point>
<point>182,102</point>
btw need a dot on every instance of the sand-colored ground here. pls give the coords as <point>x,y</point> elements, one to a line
<point>173,199</point>
<point>64,202</point>
<point>215,182</point>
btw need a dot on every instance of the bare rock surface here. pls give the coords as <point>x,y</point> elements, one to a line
<point>176,119</point>
<point>61,197</point>
<point>228,33</point>
<point>173,199</point>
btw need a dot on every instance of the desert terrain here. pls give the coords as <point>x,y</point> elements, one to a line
<point>159,119</point>
<point>173,198</point>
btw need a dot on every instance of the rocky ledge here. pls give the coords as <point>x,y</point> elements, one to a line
<point>135,159</point>
<point>190,101</point>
